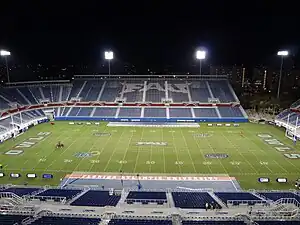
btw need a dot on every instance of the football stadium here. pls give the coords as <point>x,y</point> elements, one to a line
<point>149,150</point>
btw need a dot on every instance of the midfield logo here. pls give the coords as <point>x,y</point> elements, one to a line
<point>217,156</point>
<point>86,154</point>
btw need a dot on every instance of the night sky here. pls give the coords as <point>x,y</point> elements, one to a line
<point>148,33</point>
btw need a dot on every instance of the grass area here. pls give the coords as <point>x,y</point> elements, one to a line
<point>249,157</point>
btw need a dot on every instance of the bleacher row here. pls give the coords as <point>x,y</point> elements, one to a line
<point>152,112</point>
<point>130,91</point>
<point>289,116</point>
<point>178,91</point>
<point>195,200</point>
<point>51,220</point>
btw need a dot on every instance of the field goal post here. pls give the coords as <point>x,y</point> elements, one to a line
<point>291,133</point>
<point>50,114</point>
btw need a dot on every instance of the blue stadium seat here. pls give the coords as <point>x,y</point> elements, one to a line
<point>11,219</point>
<point>47,220</point>
<point>146,197</point>
<point>272,222</point>
<point>155,112</point>
<point>230,112</point>
<point>180,112</point>
<point>97,198</point>
<point>274,196</point>
<point>193,199</point>
<point>21,191</point>
<point>69,194</point>
<point>139,222</point>
<point>239,197</point>
<point>130,112</point>
<point>193,222</point>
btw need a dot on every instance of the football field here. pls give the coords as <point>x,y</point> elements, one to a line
<point>246,152</point>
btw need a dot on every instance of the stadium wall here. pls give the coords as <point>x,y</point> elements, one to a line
<point>213,120</point>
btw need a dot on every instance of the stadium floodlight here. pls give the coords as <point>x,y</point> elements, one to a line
<point>282,54</point>
<point>200,54</point>
<point>5,54</point>
<point>109,55</point>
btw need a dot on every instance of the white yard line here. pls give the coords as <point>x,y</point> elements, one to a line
<point>102,149</point>
<point>91,148</point>
<point>237,150</point>
<point>220,162</point>
<point>162,139</point>
<point>150,166</point>
<point>252,152</point>
<point>196,141</point>
<point>280,166</point>
<point>58,157</point>
<point>111,156</point>
<point>51,151</point>
<point>60,154</point>
<point>175,147</point>
<point>271,148</point>
<point>137,155</point>
<point>127,148</point>
<point>188,150</point>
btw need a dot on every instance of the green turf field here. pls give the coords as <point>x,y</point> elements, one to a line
<point>249,156</point>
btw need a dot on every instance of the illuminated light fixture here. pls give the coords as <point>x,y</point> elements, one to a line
<point>200,54</point>
<point>109,55</point>
<point>282,54</point>
<point>4,54</point>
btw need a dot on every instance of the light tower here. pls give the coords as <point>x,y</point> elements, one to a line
<point>282,54</point>
<point>200,54</point>
<point>109,55</point>
<point>5,54</point>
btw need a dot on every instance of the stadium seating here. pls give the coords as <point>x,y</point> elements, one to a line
<point>47,220</point>
<point>97,198</point>
<point>155,112</point>
<point>68,194</point>
<point>111,90</point>
<point>208,222</point>
<point>139,222</point>
<point>230,112</point>
<point>205,112</point>
<point>193,200</point>
<point>21,191</point>
<point>274,196</point>
<point>180,112</point>
<point>238,197</point>
<point>130,112</point>
<point>11,219</point>
<point>274,222</point>
<point>146,197</point>
<point>105,112</point>
<point>221,90</point>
